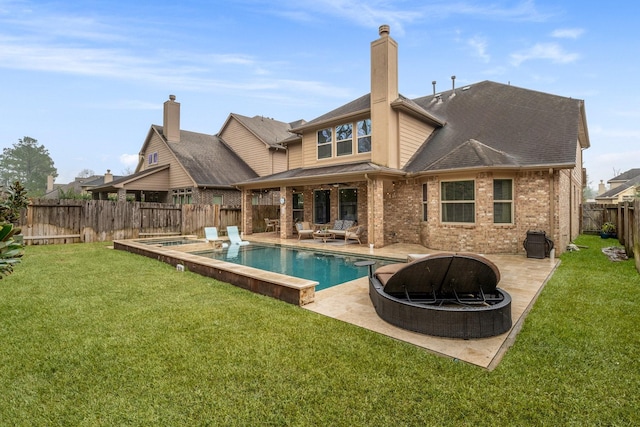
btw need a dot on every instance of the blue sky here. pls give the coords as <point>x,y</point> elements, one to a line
<point>88,78</point>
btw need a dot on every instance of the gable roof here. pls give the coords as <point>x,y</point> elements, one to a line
<point>270,131</point>
<point>511,126</point>
<point>77,185</point>
<point>207,160</point>
<point>357,106</point>
<point>614,192</point>
<point>625,176</point>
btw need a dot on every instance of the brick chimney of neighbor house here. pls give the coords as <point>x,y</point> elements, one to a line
<point>602,188</point>
<point>384,90</point>
<point>171,120</point>
<point>49,183</point>
<point>108,177</point>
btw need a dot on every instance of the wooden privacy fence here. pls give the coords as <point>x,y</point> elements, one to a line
<point>624,215</point>
<point>75,221</point>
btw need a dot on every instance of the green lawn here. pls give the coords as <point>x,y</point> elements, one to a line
<point>91,336</point>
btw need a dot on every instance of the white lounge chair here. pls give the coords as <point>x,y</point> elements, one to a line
<point>211,236</point>
<point>234,236</point>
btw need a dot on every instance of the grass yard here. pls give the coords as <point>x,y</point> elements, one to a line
<point>91,336</point>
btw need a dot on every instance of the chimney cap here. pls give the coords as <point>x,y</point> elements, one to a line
<point>172,97</point>
<point>384,30</point>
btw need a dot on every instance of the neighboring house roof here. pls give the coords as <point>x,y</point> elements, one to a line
<point>629,183</point>
<point>207,160</point>
<point>78,186</point>
<point>625,176</point>
<point>499,126</point>
<point>122,182</point>
<point>270,131</point>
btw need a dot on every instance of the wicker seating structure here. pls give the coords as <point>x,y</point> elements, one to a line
<point>445,295</point>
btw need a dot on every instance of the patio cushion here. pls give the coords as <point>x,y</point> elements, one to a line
<point>338,225</point>
<point>347,223</point>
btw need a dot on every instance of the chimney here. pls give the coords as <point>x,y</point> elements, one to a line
<point>108,177</point>
<point>171,121</point>
<point>601,188</point>
<point>49,183</point>
<point>384,90</point>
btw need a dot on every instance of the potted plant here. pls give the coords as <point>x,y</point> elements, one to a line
<point>608,230</point>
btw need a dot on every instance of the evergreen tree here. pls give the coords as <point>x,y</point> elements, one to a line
<point>28,163</point>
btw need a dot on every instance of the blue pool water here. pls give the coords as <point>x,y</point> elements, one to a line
<point>326,268</point>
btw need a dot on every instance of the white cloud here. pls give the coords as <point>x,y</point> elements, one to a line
<point>479,44</point>
<point>549,51</point>
<point>568,33</point>
<point>129,160</point>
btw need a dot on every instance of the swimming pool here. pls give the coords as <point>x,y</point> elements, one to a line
<point>328,269</point>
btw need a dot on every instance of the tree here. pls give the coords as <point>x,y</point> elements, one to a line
<point>14,200</point>
<point>86,173</point>
<point>28,163</point>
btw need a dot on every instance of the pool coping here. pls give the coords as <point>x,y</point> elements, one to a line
<point>290,289</point>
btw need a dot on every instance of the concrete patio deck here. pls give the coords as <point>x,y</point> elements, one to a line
<point>523,278</point>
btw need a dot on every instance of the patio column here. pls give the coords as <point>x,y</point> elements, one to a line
<point>286,213</point>
<point>375,211</point>
<point>122,194</point>
<point>247,212</point>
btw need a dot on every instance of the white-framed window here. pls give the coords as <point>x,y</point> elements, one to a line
<point>503,201</point>
<point>458,201</point>
<point>424,202</point>
<point>344,139</point>
<point>153,158</point>
<point>364,136</point>
<point>325,142</point>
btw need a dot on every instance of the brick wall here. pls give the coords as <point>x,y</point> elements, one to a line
<point>532,211</point>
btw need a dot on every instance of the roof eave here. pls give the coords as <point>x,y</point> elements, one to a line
<point>319,124</point>
<point>417,112</point>
<point>494,167</point>
<point>319,179</point>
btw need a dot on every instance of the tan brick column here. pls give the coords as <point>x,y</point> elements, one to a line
<point>247,212</point>
<point>286,213</point>
<point>375,212</point>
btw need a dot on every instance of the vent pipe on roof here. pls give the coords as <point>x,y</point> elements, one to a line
<point>434,87</point>
<point>453,86</point>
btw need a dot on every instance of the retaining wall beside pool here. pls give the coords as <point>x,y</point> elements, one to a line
<point>290,289</point>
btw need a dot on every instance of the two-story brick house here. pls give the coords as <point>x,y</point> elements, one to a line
<point>469,169</point>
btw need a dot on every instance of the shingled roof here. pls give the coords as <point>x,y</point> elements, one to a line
<point>270,131</point>
<point>208,161</point>
<point>495,125</point>
<point>359,105</point>
<point>339,171</point>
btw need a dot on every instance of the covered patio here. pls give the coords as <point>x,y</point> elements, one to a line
<point>350,192</point>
